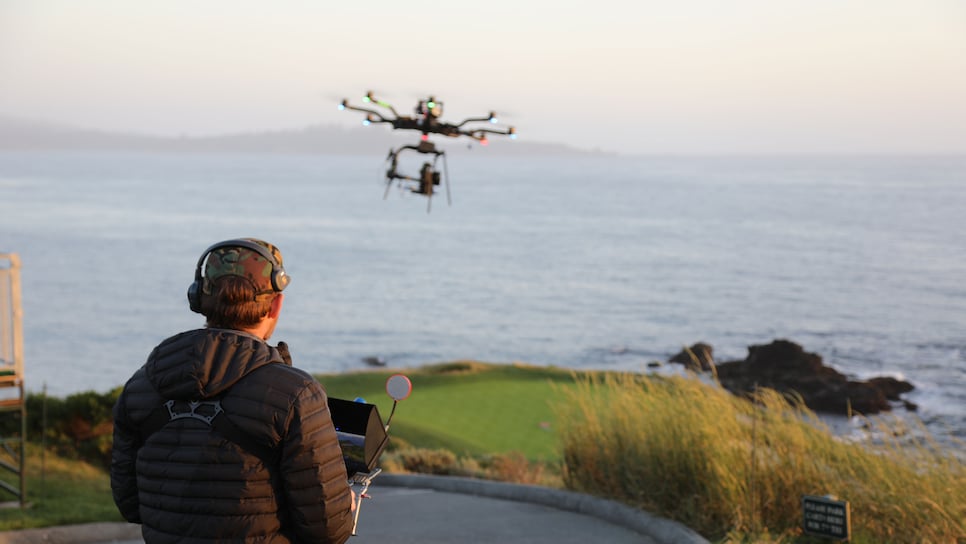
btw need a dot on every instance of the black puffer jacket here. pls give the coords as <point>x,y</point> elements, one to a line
<point>186,483</point>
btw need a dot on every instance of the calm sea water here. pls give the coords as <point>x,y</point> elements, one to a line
<point>577,262</point>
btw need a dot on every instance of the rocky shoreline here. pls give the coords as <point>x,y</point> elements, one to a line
<point>786,367</point>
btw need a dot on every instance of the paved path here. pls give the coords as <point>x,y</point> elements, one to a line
<point>409,509</point>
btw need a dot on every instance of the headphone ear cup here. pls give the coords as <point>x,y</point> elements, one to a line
<point>279,279</point>
<point>194,297</point>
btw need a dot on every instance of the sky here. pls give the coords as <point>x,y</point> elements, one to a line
<point>647,77</point>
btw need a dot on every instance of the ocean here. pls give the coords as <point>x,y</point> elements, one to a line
<point>574,261</point>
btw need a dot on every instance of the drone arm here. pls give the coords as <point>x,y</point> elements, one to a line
<point>480,133</point>
<point>489,119</point>
<point>376,116</point>
<point>370,98</point>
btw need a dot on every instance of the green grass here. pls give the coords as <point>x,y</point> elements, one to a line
<point>60,492</point>
<point>468,408</point>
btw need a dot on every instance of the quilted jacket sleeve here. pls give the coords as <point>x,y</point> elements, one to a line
<point>313,473</point>
<point>123,457</point>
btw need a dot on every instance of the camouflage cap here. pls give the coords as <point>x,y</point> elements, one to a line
<point>229,260</point>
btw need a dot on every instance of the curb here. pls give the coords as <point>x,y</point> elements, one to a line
<point>657,528</point>
<point>86,533</point>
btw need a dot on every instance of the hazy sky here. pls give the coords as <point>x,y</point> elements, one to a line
<point>689,76</point>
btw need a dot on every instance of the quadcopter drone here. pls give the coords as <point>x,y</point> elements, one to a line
<point>427,122</point>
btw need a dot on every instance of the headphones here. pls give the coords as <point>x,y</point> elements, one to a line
<point>279,278</point>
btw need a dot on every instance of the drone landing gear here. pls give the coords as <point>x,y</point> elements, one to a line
<point>429,177</point>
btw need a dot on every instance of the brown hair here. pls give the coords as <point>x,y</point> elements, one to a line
<point>234,304</point>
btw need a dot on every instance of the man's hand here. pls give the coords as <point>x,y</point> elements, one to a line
<point>353,507</point>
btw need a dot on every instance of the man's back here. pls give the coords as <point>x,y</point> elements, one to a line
<point>191,481</point>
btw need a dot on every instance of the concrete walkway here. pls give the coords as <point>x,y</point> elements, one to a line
<point>409,509</point>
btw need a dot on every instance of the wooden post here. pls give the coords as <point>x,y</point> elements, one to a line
<point>11,371</point>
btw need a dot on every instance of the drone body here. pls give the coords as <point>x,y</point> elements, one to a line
<point>427,122</point>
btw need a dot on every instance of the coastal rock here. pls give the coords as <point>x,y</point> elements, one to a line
<point>786,367</point>
<point>891,387</point>
<point>697,358</point>
<point>374,361</point>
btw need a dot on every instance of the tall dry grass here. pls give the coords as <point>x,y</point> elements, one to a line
<point>730,468</point>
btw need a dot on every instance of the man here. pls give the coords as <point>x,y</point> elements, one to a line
<point>217,438</point>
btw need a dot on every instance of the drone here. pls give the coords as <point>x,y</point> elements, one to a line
<point>426,121</point>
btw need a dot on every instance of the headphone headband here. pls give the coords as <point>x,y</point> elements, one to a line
<point>279,279</point>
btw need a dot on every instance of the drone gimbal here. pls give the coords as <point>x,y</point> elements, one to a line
<point>428,178</point>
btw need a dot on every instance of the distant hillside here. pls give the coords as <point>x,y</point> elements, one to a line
<point>28,135</point>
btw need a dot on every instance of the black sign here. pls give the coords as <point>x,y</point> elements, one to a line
<point>826,517</point>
